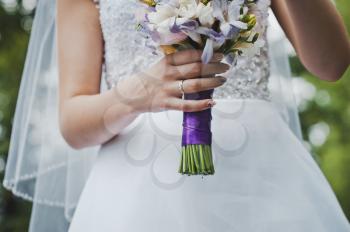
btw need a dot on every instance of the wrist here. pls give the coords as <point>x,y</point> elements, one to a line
<point>132,104</point>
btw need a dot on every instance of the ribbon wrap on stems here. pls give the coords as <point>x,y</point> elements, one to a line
<point>196,155</point>
<point>208,29</point>
<point>196,152</point>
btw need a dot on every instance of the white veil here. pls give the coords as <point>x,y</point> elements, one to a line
<point>41,167</point>
<point>280,80</point>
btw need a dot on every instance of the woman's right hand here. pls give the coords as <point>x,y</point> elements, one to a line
<point>157,88</point>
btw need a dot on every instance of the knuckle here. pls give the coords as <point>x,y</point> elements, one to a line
<point>185,107</point>
<point>170,72</point>
<point>165,104</point>
<point>197,68</point>
<point>199,84</point>
<point>168,58</point>
<point>194,85</point>
<point>165,89</point>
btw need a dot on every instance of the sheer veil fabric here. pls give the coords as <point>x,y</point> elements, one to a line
<point>41,167</point>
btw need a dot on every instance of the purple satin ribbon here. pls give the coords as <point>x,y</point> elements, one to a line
<point>197,125</point>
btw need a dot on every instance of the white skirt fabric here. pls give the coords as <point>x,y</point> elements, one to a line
<point>264,181</point>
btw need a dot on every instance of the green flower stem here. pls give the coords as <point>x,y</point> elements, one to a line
<point>196,160</point>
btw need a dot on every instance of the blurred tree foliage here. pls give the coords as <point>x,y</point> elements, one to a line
<point>14,213</point>
<point>327,111</point>
<point>331,107</point>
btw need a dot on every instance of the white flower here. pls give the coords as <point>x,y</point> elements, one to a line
<point>190,9</point>
<point>162,18</point>
<point>163,12</point>
<point>229,14</point>
<point>187,8</point>
<point>205,14</point>
<point>234,13</point>
<point>181,11</point>
<point>253,49</point>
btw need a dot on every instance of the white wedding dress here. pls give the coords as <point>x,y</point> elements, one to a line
<point>265,179</point>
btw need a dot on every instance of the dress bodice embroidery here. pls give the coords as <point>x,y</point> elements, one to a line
<point>128,52</point>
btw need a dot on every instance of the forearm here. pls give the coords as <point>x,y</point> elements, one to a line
<point>318,35</point>
<point>88,120</point>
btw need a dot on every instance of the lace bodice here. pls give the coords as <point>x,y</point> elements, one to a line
<point>128,52</point>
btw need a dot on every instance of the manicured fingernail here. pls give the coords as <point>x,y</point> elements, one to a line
<point>223,79</point>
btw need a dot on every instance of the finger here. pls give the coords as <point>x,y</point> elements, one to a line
<point>190,56</point>
<point>217,57</point>
<point>184,57</point>
<point>195,70</point>
<point>201,84</point>
<point>189,105</point>
<point>195,85</point>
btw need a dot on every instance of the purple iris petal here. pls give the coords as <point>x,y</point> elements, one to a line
<point>155,36</point>
<point>231,58</point>
<point>145,29</point>
<point>174,28</point>
<point>218,37</point>
<point>146,18</point>
<point>189,25</point>
<point>151,9</point>
<point>233,32</point>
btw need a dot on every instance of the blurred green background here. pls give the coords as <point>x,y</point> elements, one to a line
<point>324,109</point>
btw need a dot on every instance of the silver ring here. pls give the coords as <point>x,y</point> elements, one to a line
<point>181,87</point>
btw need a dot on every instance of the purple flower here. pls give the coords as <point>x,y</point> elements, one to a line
<point>180,25</point>
<point>217,37</point>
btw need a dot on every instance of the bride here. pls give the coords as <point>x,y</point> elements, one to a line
<point>119,109</point>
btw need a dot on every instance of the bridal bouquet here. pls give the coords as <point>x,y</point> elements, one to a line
<point>227,26</point>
